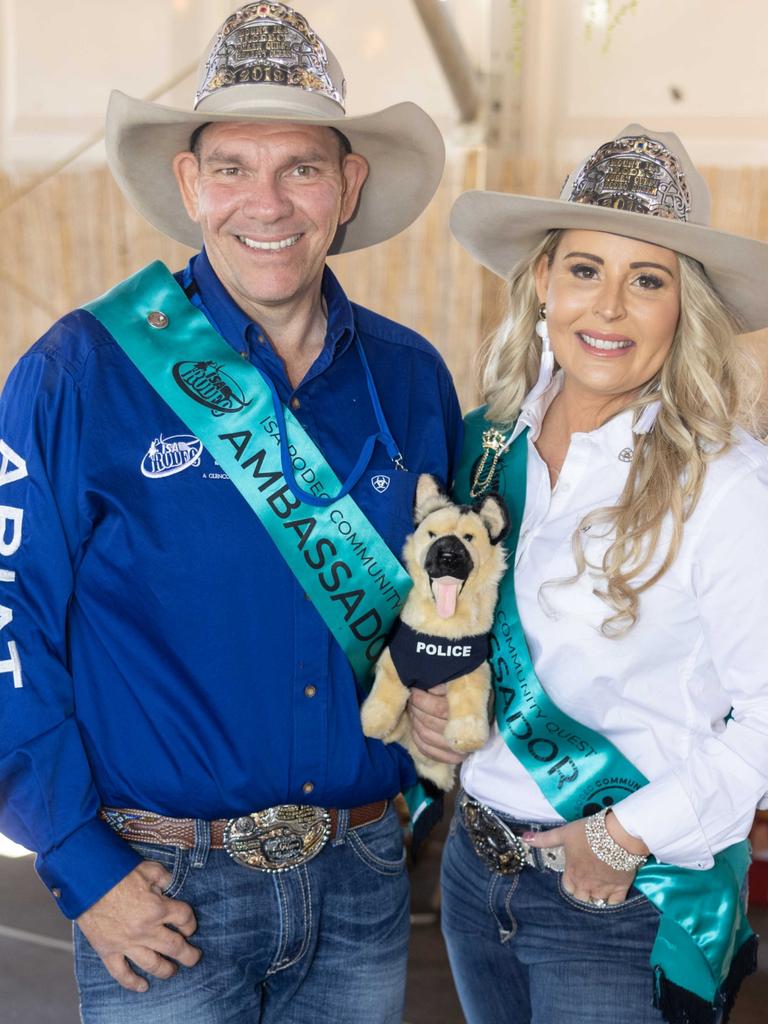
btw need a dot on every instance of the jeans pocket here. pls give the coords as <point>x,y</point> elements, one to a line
<point>634,901</point>
<point>380,845</point>
<point>173,858</point>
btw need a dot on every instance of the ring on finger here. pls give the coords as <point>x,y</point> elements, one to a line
<point>598,901</point>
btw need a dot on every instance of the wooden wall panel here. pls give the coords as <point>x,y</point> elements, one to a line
<point>74,236</point>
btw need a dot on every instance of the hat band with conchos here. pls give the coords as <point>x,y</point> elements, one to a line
<point>634,173</point>
<point>268,44</point>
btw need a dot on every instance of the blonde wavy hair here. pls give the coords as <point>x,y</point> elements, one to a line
<point>706,386</point>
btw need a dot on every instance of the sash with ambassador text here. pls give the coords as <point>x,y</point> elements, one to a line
<point>705,946</point>
<point>226,403</point>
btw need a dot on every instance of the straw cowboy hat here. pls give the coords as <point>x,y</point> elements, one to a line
<point>266,64</point>
<point>641,184</point>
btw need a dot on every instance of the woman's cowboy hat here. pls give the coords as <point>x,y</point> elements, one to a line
<point>641,184</point>
<point>266,64</point>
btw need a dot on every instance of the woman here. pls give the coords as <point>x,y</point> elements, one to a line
<point>594,869</point>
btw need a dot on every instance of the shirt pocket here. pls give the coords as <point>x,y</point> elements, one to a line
<point>385,495</point>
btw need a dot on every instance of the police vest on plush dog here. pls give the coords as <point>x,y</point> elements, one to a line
<point>456,562</point>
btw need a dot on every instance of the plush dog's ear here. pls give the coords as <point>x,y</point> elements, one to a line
<point>495,517</point>
<point>429,497</point>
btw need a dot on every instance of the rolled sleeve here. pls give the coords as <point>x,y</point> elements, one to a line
<point>675,837</point>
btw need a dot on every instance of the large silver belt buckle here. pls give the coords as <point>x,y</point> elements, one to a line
<point>495,844</point>
<point>278,838</point>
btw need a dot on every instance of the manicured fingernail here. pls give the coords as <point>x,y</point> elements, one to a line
<point>528,836</point>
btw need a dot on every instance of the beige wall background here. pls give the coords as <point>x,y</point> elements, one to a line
<point>552,78</point>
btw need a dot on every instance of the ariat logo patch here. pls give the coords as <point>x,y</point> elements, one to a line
<point>209,385</point>
<point>169,455</point>
<point>380,482</point>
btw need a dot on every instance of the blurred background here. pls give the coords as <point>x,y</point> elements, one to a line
<point>522,89</point>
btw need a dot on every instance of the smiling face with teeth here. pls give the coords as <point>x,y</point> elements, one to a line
<point>269,199</point>
<point>613,305</point>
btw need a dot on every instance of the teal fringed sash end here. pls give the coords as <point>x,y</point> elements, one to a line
<point>679,1005</point>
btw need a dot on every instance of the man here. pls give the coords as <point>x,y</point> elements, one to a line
<point>203,481</point>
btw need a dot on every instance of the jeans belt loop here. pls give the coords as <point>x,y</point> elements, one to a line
<point>202,846</point>
<point>342,827</point>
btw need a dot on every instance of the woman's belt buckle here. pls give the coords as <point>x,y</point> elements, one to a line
<point>495,844</point>
<point>277,838</point>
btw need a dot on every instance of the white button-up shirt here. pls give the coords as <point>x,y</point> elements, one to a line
<point>662,691</point>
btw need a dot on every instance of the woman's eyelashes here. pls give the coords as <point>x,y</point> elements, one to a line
<point>589,272</point>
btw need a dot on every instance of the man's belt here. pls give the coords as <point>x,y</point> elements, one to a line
<point>275,839</point>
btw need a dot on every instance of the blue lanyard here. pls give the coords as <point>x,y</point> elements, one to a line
<point>383,434</point>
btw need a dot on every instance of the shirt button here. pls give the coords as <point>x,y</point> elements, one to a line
<point>244,355</point>
<point>310,691</point>
<point>56,893</point>
<point>307,787</point>
<point>295,403</point>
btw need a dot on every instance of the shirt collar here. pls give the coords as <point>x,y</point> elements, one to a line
<point>535,405</point>
<point>230,320</point>
<point>238,328</point>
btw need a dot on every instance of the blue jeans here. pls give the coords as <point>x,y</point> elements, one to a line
<point>524,951</point>
<point>325,942</point>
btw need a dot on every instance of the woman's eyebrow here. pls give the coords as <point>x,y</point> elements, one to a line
<point>585,255</point>
<point>647,263</point>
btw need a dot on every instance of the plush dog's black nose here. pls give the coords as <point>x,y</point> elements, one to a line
<point>448,557</point>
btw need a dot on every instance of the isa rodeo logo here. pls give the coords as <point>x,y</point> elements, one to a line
<point>209,385</point>
<point>169,455</point>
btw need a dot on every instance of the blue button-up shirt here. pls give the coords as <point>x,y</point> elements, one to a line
<point>155,650</point>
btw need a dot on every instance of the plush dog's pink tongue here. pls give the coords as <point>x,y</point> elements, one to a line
<point>446,591</point>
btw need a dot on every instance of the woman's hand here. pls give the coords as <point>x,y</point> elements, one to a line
<point>428,711</point>
<point>586,877</point>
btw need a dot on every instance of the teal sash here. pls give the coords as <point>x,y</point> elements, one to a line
<point>225,402</point>
<point>704,946</point>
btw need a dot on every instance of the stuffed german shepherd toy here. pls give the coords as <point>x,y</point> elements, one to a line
<point>456,562</point>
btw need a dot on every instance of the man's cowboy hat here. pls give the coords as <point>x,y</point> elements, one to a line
<point>266,64</point>
<point>641,184</point>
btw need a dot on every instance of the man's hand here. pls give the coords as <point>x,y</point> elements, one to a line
<point>428,710</point>
<point>586,877</point>
<point>132,920</point>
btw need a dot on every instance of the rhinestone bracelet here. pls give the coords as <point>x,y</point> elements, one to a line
<point>602,844</point>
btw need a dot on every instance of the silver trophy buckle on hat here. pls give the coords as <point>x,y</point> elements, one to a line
<point>278,838</point>
<point>634,173</point>
<point>268,44</point>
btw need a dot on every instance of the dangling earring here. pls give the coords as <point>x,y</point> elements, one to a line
<point>547,364</point>
<point>541,327</point>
